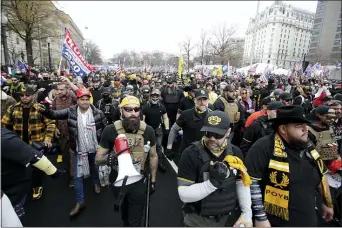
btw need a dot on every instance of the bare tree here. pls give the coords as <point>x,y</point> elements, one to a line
<point>92,53</point>
<point>13,54</point>
<point>203,46</point>
<point>221,42</point>
<point>186,46</point>
<point>25,18</point>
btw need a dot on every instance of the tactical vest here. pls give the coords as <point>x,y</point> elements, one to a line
<point>172,98</point>
<point>224,200</point>
<point>137,142</point>
<point>326,143</point>
<point>231,109</point>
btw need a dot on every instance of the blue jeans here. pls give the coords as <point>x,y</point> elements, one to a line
<point>78,181</point>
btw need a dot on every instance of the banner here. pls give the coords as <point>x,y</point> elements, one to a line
<point>78,64</point>
<point>180,66</point>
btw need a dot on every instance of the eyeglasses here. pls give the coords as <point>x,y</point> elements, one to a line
<point>211,134</point>
<point>25,95</point>
<point>128,109</point>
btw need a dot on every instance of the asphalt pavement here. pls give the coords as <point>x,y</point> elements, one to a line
<point>58,200</point>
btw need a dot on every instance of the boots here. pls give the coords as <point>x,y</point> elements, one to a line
<point>77,209</point>
<point>161,163</point>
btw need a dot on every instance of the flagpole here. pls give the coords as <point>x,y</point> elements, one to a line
<point>60,61</point>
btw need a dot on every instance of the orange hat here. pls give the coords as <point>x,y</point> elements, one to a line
<point>83,92</point>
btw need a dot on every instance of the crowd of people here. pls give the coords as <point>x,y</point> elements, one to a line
<point>251,152</point>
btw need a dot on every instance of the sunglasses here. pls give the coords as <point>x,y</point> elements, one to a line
<point>154,96</point>
<point>128,109</point>
<point>288,100</point>
<point>211,134</point>
<point>25,95</point>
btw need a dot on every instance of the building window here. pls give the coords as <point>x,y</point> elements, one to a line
<point>337,36</point>
<point>17,40</point>
<point>269,56</point>
<point>272,29</point>
<point>281,35</point>
<point>318,20</point>
<point>337,42</point>
<point>268,61</point>
<point>338,29</point>
<point>336,49</point>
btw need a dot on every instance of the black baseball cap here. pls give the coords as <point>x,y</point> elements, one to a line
<point>274,105</point>
<point>324,110</point>
<point>267,100</point>
<point>216,122</point>
<point>28,89</point>
<point>200,93</point>
<point>285,96</point>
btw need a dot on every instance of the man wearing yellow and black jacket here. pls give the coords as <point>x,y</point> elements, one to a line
<point>286,170</point>
<point>32,127</point>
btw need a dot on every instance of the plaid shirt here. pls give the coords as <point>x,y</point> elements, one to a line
<point>39,127</point>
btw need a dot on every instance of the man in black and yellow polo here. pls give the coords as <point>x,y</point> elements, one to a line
<point>286,170</point>
<point>212,179</point>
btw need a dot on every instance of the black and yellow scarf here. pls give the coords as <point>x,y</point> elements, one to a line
<point>277,194</point>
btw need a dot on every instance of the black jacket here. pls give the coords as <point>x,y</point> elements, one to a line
<point>258,129</point>
<point>71,115</point>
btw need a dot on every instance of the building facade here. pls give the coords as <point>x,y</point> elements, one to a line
<point>17,48</point>
<point>325,46</point>
<point>279,35</point>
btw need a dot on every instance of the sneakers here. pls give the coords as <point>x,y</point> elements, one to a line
<point>37,193</point>
<point>60,158</point>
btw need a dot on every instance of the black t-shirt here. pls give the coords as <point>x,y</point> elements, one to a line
<point>191,124</point>
<point>186,103</point>
<point>304,179</point>
<point>109,135</point>
<point>190,164</point>
<point>153,114</point>
<point>15,170</point>
<point>26,117</point>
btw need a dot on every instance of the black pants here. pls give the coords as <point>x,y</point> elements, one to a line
<point>37,177</point>
<point>133,204</point>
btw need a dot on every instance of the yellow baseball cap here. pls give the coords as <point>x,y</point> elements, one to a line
<point>129,100</point>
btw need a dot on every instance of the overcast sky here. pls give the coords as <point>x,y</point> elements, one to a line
<point>158,25</point>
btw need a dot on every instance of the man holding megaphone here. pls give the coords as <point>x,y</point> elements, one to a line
<point>131,141</point>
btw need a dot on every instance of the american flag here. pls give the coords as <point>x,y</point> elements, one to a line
<point>118,71</point>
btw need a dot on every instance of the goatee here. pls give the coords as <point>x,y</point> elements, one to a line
<point>131,125</point>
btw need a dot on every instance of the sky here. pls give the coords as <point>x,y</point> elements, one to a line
<point>157,25</point>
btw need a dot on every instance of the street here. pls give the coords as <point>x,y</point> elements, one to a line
<point>58,199</point>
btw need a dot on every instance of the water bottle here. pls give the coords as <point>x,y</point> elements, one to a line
<point>147,147</point>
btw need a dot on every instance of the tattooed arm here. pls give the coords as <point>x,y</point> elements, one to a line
<point>101,157</point>
<point>153,163</point>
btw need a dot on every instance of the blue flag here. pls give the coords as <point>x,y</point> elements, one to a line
<point>21,65</point>
<point>224,68</point>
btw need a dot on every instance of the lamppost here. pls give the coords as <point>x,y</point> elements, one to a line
<point>4,21</point>
<point>48,40</point>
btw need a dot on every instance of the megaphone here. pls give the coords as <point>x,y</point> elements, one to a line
<point>126,168</point>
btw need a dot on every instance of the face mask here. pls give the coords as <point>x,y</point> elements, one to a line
<point>154,100</point>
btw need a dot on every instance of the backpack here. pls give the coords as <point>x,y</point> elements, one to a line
<point>232,110</point>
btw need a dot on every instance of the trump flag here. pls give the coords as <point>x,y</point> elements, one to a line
<point>70,51</point>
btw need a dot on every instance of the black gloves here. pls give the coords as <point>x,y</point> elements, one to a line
<point>152,188</point>
<point>112,160</point>
<point>58,173</point>
<point>169,154</point>
<point>218,172</point>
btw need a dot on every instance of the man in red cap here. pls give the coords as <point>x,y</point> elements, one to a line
<point>85,125</point>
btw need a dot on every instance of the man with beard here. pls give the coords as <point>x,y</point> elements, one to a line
<point>212,178</point>
<point>154,115</point>
<point>228,104</point>
<point>172,96</point>
<point>191,122</point>
<point>138,134</point>
<point>304,98</point>
<point>337,124</point>
<point>117,84</point>
<point>108,105</point>
<point>260,127</point>
<point>33,128</point>
<point>85,125</point>
<point>65,98</point>
<point>286,171</point>
<point>96,90</point>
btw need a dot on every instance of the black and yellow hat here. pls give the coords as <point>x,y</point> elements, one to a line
<point>216,122</point>
<point>28,89</point>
